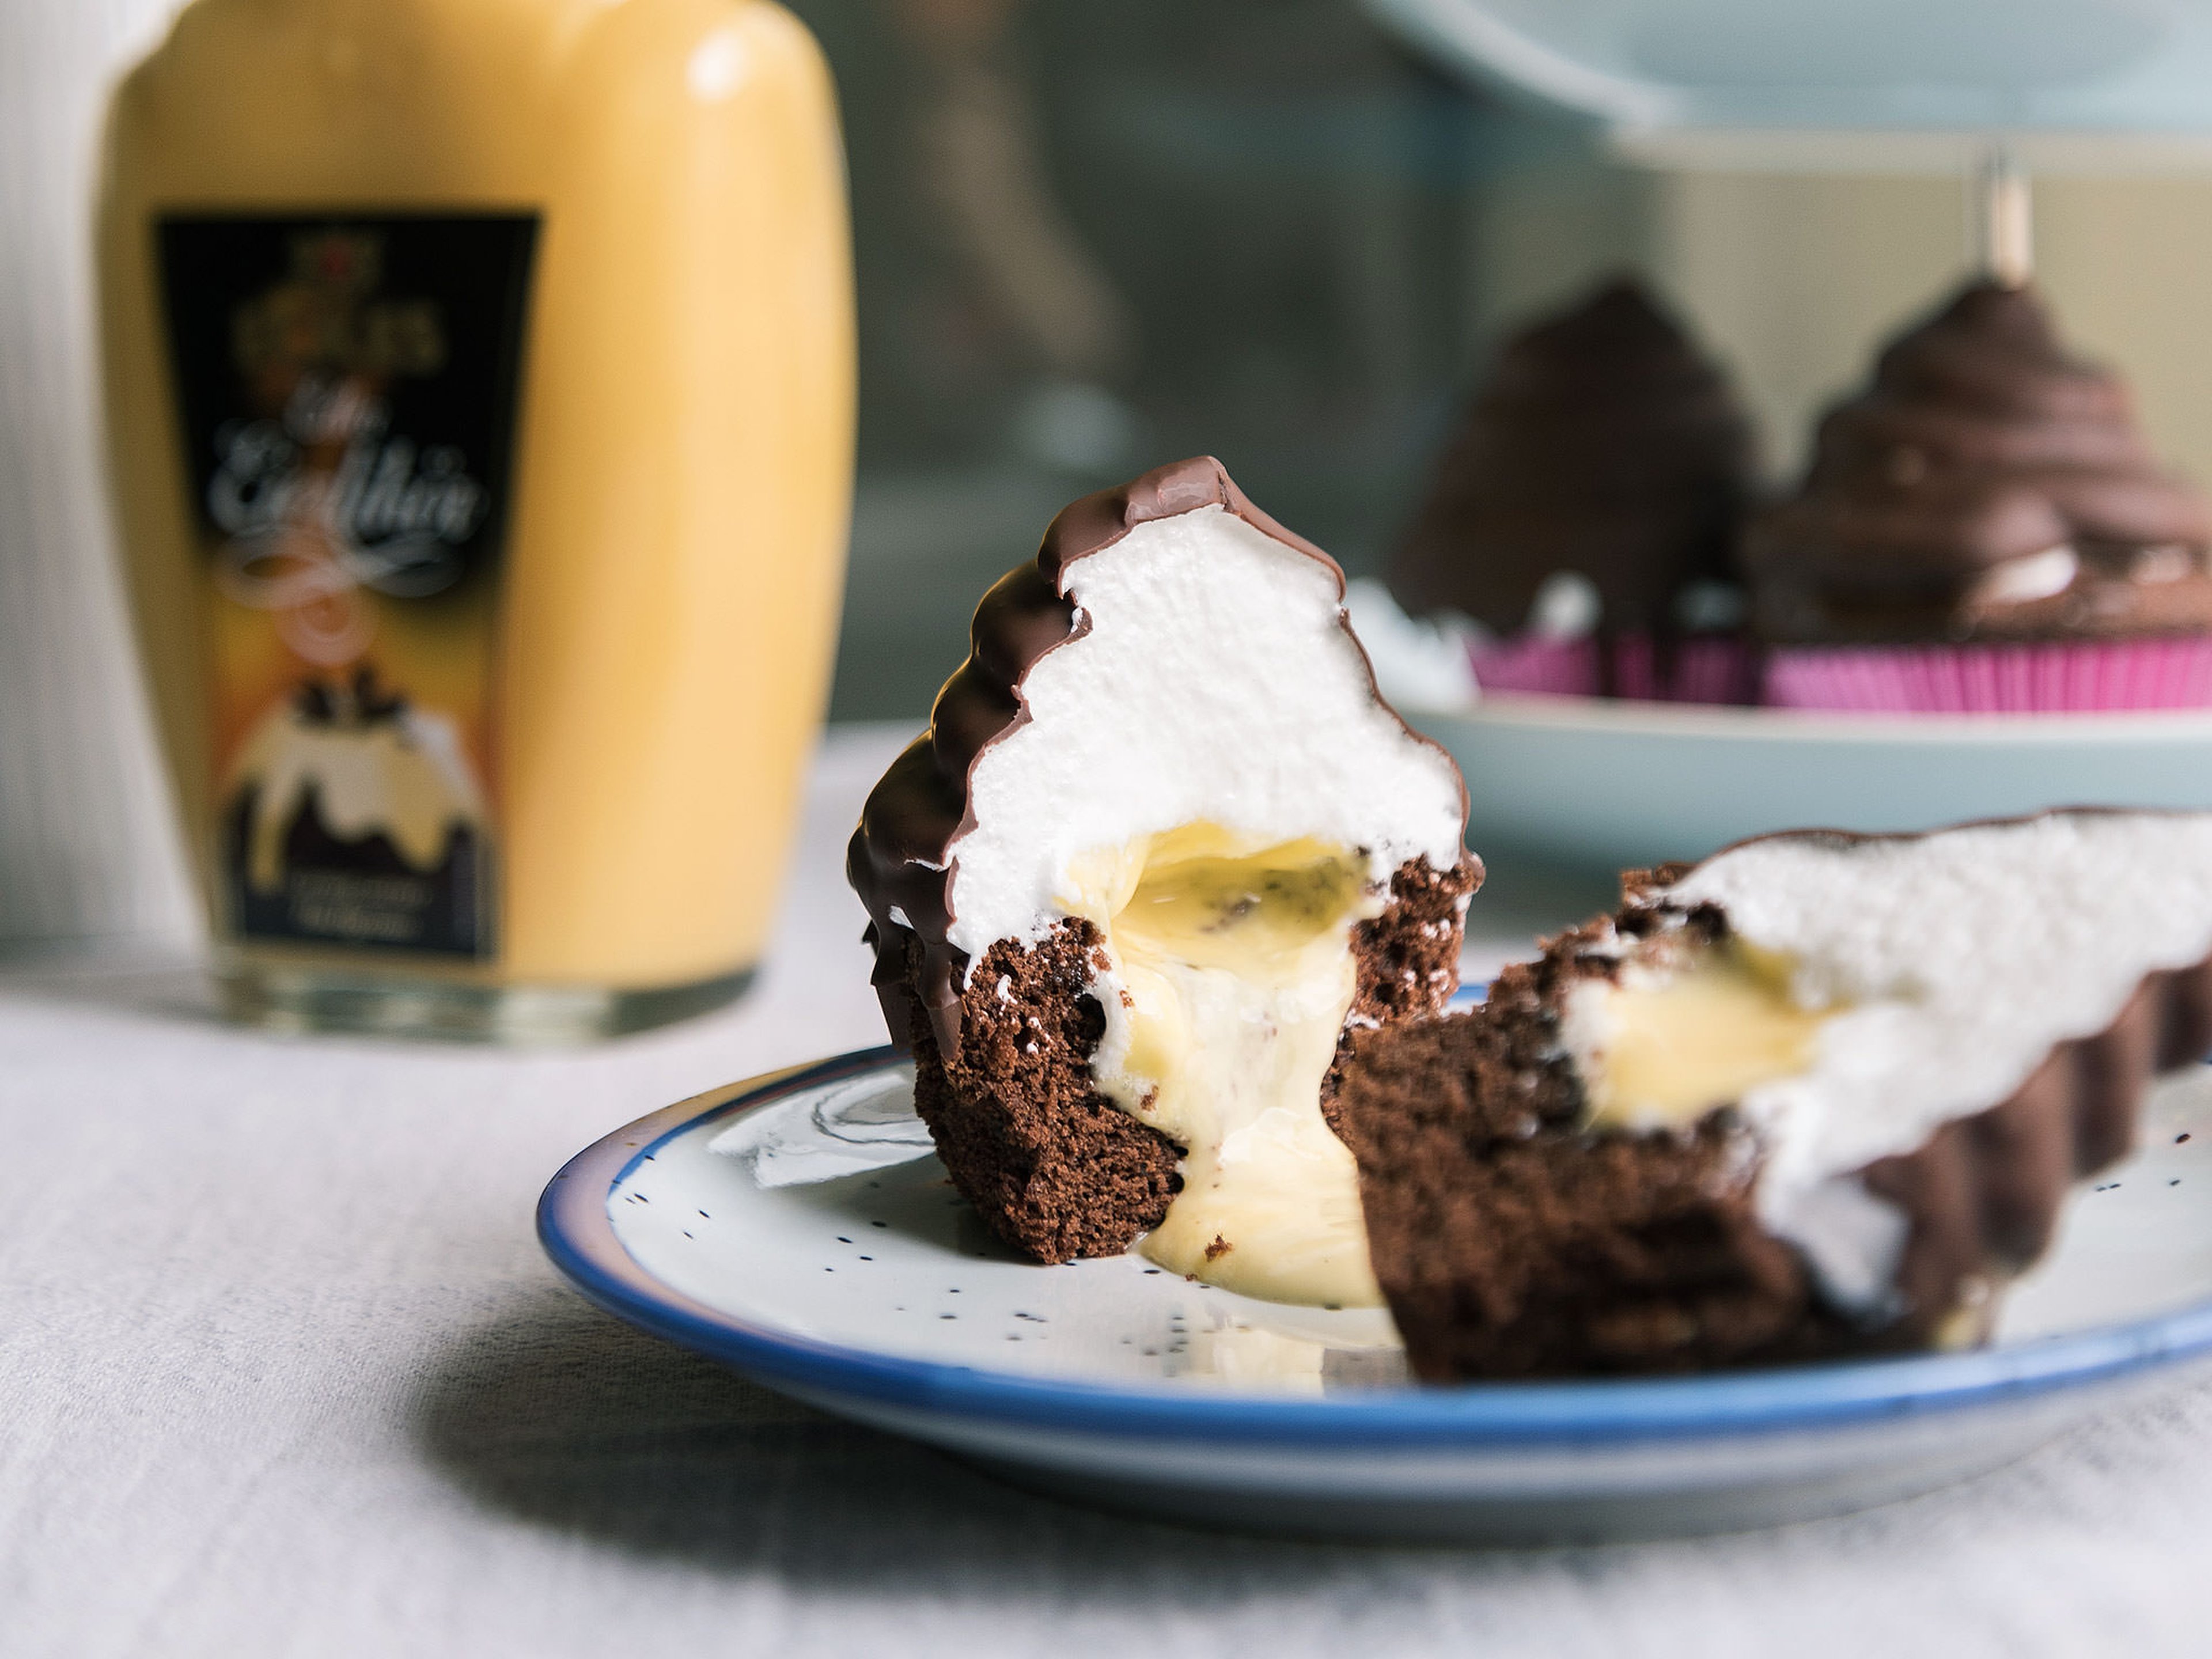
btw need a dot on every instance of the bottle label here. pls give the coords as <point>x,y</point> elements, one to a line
<point>347,388</point>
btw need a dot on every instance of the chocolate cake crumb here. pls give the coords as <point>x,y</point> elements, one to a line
<point>1505,1253</point>
<point>1407,957</point>
<point>1054,1167</point>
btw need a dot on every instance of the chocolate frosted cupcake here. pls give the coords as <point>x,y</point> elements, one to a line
<point>1821,1095</point>
<point>1986,528</point>
<point>1585,511</point>
<point>1162,851</point>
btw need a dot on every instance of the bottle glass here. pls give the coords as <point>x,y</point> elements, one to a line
<point>479,383</point>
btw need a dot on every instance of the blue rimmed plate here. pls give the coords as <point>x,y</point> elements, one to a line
<point>798,1227</point>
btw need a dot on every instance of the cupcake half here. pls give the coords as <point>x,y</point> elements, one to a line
<point>1985,529</point>
<point>1584,513</point>
<point>1821,1095</point>
<point>1162,851</point>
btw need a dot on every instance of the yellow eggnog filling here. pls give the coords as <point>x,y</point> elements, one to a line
<point>1232,973</point>
<point>1669,1043</point>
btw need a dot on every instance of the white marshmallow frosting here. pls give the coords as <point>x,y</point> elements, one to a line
<point>1210,679</point>
<point>1958,961</point>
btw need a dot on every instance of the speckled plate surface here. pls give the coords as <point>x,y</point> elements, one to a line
<point>798,1229</point>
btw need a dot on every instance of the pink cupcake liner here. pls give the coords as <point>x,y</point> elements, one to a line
<point>2067,677</point>
<point>1527,664</point>
<point>1704,668</point>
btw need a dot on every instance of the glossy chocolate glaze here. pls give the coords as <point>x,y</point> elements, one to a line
<point>1983,1193</point>
<point>900,859</point>
<point>1603,443</point>
<point>1981,440</point>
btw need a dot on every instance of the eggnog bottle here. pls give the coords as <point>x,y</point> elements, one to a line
<point>479,384</point>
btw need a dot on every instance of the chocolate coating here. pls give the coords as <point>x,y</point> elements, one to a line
<point>1983,1193</point>
<point>1603,443</point>
<point>900,860</point>
<point>1980,441</point>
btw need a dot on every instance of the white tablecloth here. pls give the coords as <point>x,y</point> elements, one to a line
<point>282,1371</point>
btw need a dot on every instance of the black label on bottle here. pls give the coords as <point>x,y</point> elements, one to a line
<point>347,391</point>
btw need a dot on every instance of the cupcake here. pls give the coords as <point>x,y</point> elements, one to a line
<point>1822,1094</point>
<point>1162,852</point>
<point>1583,515</point>
<point>1984,529</point>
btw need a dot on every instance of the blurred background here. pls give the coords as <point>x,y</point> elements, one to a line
<point>1091,238</point>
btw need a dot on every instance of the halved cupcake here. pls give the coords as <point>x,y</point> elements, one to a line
<point>1822,1094</point>
<point>1162,851</point>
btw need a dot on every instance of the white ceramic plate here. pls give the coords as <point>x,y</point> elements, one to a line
<point>1627,785</point>
<point>823,1252</point>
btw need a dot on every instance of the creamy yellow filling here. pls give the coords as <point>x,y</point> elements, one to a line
<point>1232,973</point>
<point>1670,1042</point>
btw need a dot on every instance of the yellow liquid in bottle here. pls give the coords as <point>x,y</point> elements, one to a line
<point>652,655</point>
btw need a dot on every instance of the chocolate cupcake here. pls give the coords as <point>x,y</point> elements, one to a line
<point>1163,849</point>
<point>1985,529</point>
<point>1585,511</point>
<point>1821,1095</point>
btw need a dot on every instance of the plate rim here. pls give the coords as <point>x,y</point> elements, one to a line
<point>1733,723</point>
<point>576,1230</point>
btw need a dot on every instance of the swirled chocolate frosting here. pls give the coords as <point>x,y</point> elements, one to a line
<point>1988,485</point>
<point>1604,444</point>
<point>901,859</point>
